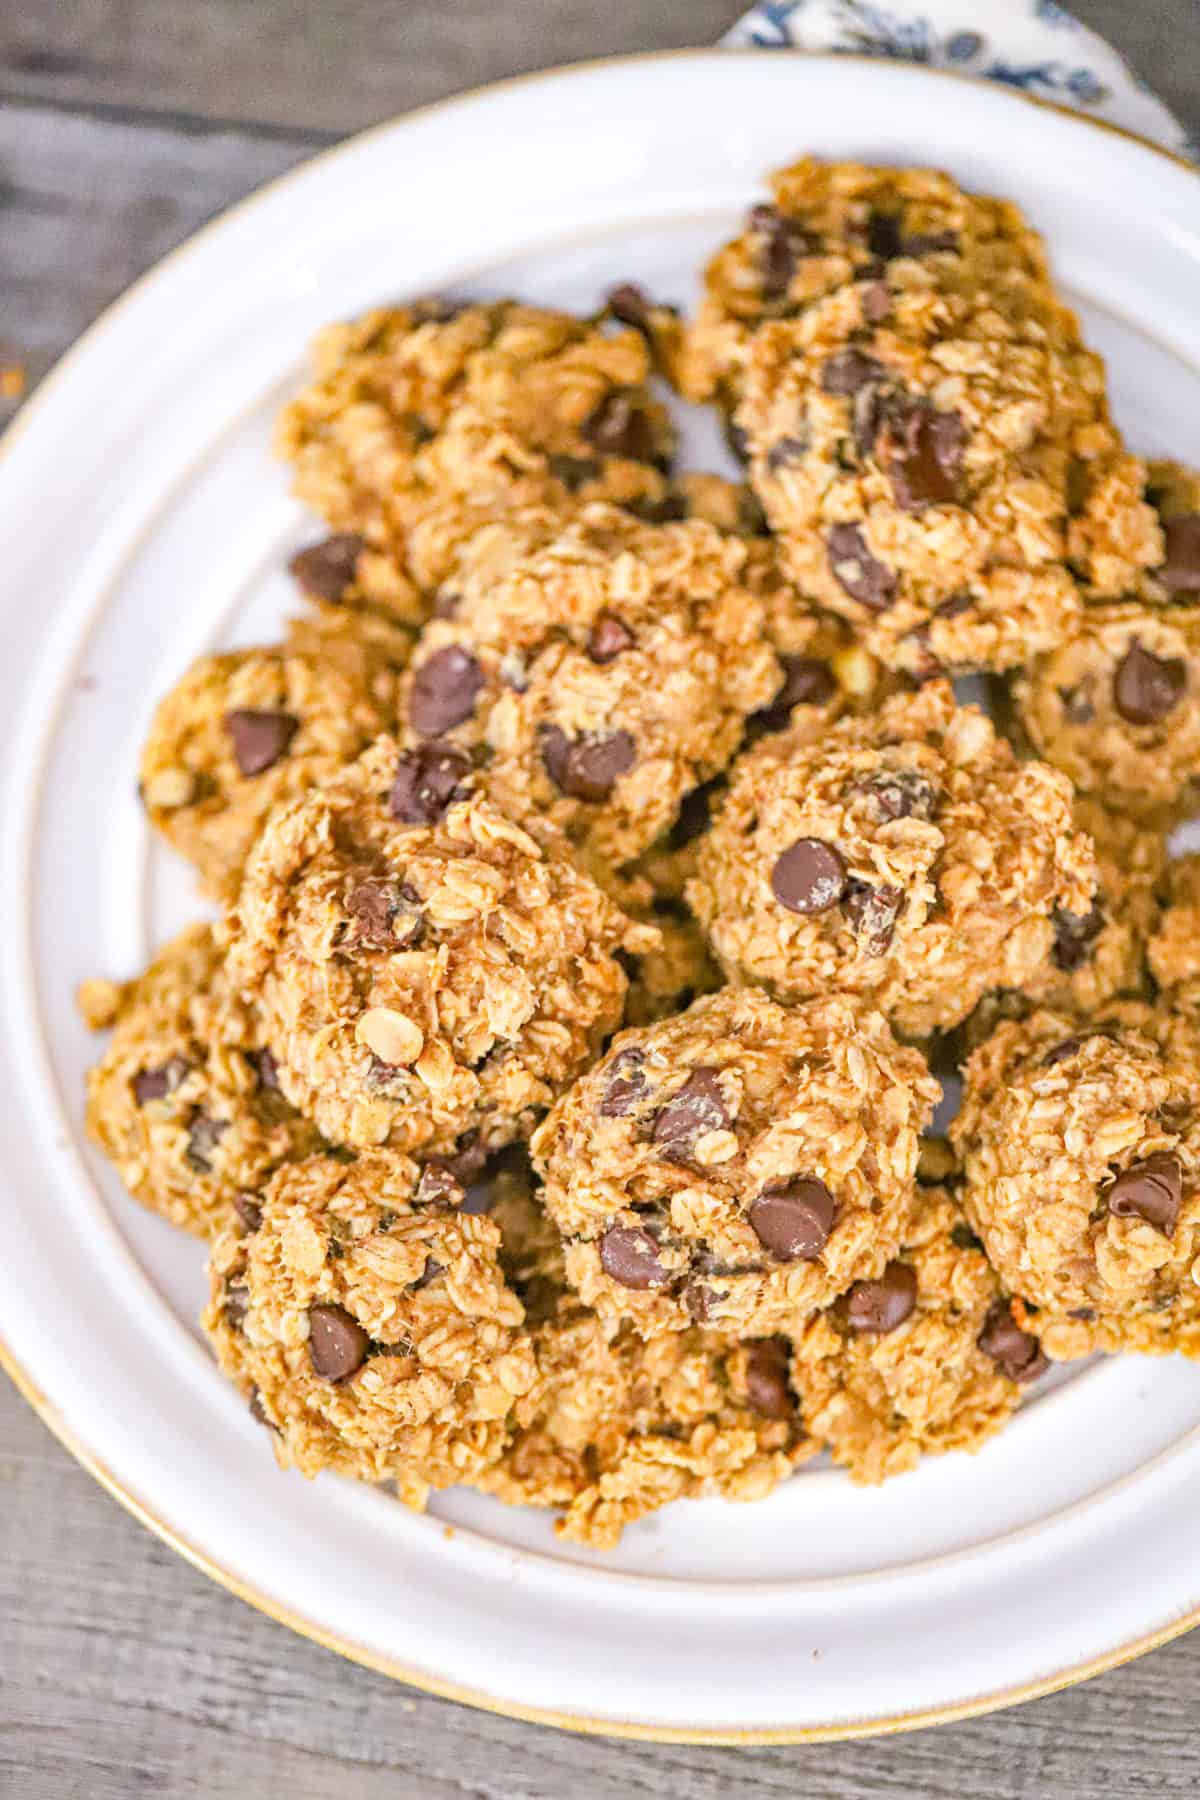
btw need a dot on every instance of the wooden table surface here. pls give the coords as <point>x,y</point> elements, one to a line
<point>123,125</point>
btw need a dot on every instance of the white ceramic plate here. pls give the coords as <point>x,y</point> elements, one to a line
<point>141,521</point>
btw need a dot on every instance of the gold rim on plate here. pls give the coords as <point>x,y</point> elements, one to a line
<point>199,1559</point>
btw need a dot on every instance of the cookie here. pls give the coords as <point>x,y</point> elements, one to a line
<point>240,733</point>
<point>1174,948</point>
<point>1080,1142</point>
<point>186,1103</point>
<point>736,1165</point>
<point>373,1334</point>
<point>905,857</point>
<point>425,968</point>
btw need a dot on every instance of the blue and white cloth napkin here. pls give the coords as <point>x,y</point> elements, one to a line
<point>1034,45</point>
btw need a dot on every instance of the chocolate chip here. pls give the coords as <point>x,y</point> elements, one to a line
<point>810,877</point>
<point>439,1185</point>
<point>428,1275</point>
<point>1150,1190</point>
<point>259,737</point>
<point>255,1408</point>
<point>866,419</point>
<point>785,451</point>
<point>237,1304</point>
<point>574,471</point>
<point>922,452</point>
<point>807,681</point>
<point>1077,706</point>
<point>428,780</point>
<point>1016,1353</point>
<point>587,768</point>
<point>327,569</point>
<point>927,243</point>
<point>1147,687</point>
<point>624,1086</point>
<point>767,1367</point>
<point>444,690</point>
<point>469,1158</point>
<point>248,1210</point>
<point>865,579</point>
<point>608,638</point>
<point>954,607</point>
<point>781,244</point>
<point>793,1219</point>
<point>622,425</point>
<point>886,240</point>
<point>735,437</point>
<point>873,912</point>
<point>699,1301</point>
<point>880,1306</point>
<point>900,794</point>
<point>1074,934</point>
<point>446,605</point>
<point>337,1343</point>
<point>695,1109</point>
<point>373,904</point>
<point>267,1070</point>
<point>630,1256</point>
<point>1180,572</point>
<point>1062,1052</point>
<point>849,371</point>
<point>203,1138</point>
<point>156,1084</point>
<point>630,305</point>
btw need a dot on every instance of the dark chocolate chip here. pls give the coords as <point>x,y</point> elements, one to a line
<point>1180,572</point>
<point>849,371</point>
<point>928,243</point>
<point>785,451</point>
<point>1077,706</point>
<point>608,638</point>
<point>203,1137</point>
<point>1074,935</point>
<point>630,1256</point>
<point>781,244</point>
<point>807,681</point>
<point>267,1070</point>
<point>156,1084</point>
<point>1016,1353</point>
<point>793,1219</point>
<point>954,607</point>
<point>1062,1052</point>
<point>259,737</point>
<point>248,1210</point>
<point>587,768</point>
<point>767,1368</point>
<point>880,1306</point>
<point>873,912</point>
<point>883,235</point>
<point>865,579</point>
<point>428,780</point>
<point>439,1185</point>
<point>337,1343</point>
<point>922,453</point>
<point>1147,687</point>
<point>625,1084</point>
<point>327,569</point>
<point>428,1275</point>
<point>810,877</point>
<point>237,1303</point>
<point>700,1301</point>
<point>622,425</point>
<point>630,305</point>
<point>444,691</point>
<point>373,904</point>
<point>693,1110</point>
<point>900,794</point>
<point>1150,1190</point>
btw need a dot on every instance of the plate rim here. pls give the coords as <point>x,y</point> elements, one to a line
<point>74,1443</point>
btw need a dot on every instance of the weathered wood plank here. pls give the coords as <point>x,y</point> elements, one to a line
<point>339,66</point>
<point>125,1671</point>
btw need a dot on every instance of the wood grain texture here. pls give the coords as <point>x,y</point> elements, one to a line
<point>122,1671</point>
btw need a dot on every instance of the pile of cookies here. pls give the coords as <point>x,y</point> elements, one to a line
<point>605,865</point>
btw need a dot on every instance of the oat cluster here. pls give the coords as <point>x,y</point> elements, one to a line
<point>605,863</point>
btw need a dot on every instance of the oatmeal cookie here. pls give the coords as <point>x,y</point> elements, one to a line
<point>829,224</point>
<point>615,1427</point>
<point>922,473</point>
<point>606,666</point>
<point>364,644</point>
<point>241,732</point>
<point>926,1359</point>
<point>1117,707</point>
<point>736,1165</point>
<point>422,420</point>
<point>1080,1141</point>
<point>186,1102</point>
<point>1174,950</point>
<point>424,967</point>
<point>906,857</point>
<point>373,1333</point>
